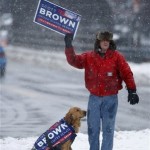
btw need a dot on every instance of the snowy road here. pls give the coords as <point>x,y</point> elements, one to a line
<point>33,97</point>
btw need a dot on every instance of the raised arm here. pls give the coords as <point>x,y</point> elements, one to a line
<point>73,59</point>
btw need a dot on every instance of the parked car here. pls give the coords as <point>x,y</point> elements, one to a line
<point>5,28</point>
<point>2,62</point>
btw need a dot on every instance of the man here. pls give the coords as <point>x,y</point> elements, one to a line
<point>105,69</point>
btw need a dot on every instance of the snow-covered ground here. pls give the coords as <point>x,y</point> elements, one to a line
<point>124,140</point>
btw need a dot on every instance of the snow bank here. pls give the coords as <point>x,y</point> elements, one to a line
<point>124,140</point>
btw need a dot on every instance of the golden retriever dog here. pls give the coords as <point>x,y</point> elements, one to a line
<point>72,118</point>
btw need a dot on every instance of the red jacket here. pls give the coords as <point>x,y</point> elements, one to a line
<point>103,76</point>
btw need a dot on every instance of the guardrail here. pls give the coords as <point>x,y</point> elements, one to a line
<point>138,55</point>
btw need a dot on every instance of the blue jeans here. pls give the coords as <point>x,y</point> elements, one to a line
<point>101,112</point>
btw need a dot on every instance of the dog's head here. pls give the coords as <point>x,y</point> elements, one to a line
<point>74,115</point>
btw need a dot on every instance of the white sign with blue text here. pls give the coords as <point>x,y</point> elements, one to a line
<point>56,18</point>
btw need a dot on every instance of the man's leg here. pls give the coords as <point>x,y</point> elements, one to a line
<point>93,120</point>
<point>108,111</point>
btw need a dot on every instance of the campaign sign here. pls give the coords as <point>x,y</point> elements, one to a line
<point>56,134</point>
<point>56,18</point>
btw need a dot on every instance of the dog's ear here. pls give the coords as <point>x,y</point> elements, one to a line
<point>69,118</point>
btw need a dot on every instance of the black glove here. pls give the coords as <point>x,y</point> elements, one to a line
<point>133,98</point>
<point>68,40</point>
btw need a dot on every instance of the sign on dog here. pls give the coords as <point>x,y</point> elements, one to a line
<point>56,18</point>
<point>59,133</point>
